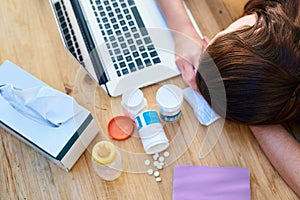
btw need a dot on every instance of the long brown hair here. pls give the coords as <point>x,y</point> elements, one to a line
<point>260,70</point>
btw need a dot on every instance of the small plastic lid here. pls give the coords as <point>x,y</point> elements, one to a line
<point>133,98</point>
<point>169,97</point>
<point>104,153</point>
<point>120,127</point>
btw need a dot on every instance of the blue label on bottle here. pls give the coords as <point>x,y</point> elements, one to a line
<point>139,122</point>
<point>147,118</point>
<point>151,117</point>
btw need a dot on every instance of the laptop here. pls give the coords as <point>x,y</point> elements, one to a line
<point>122,44</point>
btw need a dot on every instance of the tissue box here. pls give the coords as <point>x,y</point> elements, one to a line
<point>63,144</point>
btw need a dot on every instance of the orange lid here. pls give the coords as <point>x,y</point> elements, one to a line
<point>120,127</point>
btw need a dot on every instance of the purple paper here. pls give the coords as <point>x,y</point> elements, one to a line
<point>211,183</point>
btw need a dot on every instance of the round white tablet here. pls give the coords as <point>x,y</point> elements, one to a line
<point>147,162</point>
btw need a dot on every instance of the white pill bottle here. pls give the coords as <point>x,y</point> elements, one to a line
<point>107,161</point>
<point>169,99</point>
<point>151,132</point>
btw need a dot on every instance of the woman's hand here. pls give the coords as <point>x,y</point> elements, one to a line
<point>188,49</point>
<point>188,44</point>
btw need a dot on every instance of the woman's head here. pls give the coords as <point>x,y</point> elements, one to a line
<point>258,61</point>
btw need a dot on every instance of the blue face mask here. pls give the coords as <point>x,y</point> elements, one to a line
<point>41,104</point>
<point>202,109</point>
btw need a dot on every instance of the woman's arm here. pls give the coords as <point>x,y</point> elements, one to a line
<point>283,152</point>
<point>188,44</point>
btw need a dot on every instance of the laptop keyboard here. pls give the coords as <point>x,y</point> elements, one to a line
<point>126,37</point>
<point>67,30</point>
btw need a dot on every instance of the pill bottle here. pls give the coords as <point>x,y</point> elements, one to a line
<point>133,102</point>
<point>151,132</point>
<point>106,160</point>
<point>169,99</point>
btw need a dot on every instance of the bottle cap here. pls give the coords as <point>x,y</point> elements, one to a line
<point>133,102</point>
<point>169,99</point>
<point>133,99</point>
<point>120,127</point>
<point>104,153</point>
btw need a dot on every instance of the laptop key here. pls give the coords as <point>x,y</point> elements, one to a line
<point>125,71</point>
<point>147,40</point>
<point>122,22</point>
<point>148,62</point>
<point>131,2</point>
<point>120,58</point>
<point>137,17</point>
<point>113,20</point>
<point>128,58</point>
<point>144,31</point>
<point>142,48</point>
<point>139,63</point>
<point>117,51</point>
<point>119,73</point>
<point>132,67</point>
<point>116,66</point>
<point>122,64</point>
<point>127,35</point>
<point>131,23</point>
<point>132,48</point>
<point>126,52</point>
<point>130,41</point>
<point>144,55</point>
<point>153,53</point>
<point>135,54</point>
<point>156,60</point>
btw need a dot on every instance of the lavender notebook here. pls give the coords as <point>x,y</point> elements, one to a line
<point>211,183</point>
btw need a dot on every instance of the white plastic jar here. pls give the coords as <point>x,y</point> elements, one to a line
<point>133,102</point>
<point>106,160</point>
<point>169,99</point>
<point>151,132</point>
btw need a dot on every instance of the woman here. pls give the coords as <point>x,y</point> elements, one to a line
<point>258,59</point>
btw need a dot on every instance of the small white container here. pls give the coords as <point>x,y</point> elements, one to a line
<point>169,99</point>
<point>151,132</point>
<point>106,160</point>
<point>133,102</point>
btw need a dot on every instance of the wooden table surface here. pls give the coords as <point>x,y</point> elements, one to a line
<point>30,39</point>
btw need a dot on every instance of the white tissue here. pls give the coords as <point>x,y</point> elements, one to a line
<point>42,104</point>
<point>202,109</point>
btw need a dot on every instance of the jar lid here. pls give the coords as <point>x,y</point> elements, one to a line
<point>169,97</point>
<point>133,98</point>
<point>120,127</point>
<point>104,153</point>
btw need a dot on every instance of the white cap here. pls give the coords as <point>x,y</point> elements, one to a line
<point>169,98</point>
<point>133,102</point>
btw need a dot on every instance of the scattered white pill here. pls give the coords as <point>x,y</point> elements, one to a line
<point>159,166</point>
<point>150,171</point>
<point>156,173</point>
<point>155,156</point>
<point>166,154</point>
<point>155,163</point>
<point>147,162</point>
<point>161,159</point>
<point>158,179</point>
